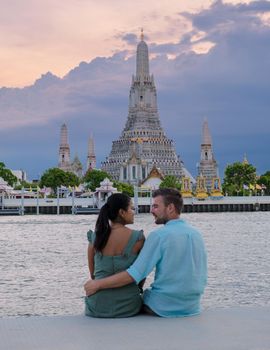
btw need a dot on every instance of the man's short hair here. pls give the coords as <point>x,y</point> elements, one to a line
<point>170,195</point>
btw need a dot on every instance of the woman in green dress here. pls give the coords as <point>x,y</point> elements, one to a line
<point>112,248</point>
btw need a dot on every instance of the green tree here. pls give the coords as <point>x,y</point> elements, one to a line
<point>170,181</point>
<point>72,179</point>
<point>27,185</point>
<point>238,175</point>
<point>265,180</point>
<point>124,188</point>
<point>55,177</point>
<point>7,175</point>
<point>94,177</point>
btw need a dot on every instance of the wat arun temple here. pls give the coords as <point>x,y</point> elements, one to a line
<point>143,144</point>
<point>143,147</point>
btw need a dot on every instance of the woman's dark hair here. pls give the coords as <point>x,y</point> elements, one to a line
<point>109,211</point>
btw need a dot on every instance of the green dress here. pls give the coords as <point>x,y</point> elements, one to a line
<point>116,302</point>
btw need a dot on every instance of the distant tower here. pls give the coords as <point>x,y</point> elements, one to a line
<point>76,167</point>
<point>143,143</point>
<point>91,158</point>
<point>207,167</point>
<point>245,160</point>
<point>64,150</point>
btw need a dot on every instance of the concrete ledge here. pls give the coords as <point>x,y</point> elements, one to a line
<point>239,328</point>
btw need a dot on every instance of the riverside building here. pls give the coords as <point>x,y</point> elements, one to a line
<point>143,143</point>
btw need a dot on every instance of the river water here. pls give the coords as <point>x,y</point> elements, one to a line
<point>43,262</point>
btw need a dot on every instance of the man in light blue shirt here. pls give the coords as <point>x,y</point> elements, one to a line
<point>177,253</point>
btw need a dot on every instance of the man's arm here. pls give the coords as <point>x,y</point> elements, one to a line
<point>118,280</point>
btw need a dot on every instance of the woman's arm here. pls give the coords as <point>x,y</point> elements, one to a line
<point>138,246</point>
<point>91,263</point>
<point>136,249</point>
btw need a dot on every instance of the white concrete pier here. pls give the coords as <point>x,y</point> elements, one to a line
<point>239,328</point>
<point>89,206</point>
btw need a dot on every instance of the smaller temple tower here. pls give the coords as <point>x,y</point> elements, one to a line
<point>64,150</point>
<point>91,157</point>
<point>207,167</point>
<point>64,161</point>
<point>76,167</point>
<point>245,160</point>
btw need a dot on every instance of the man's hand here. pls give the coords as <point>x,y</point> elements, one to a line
<point>118,280</point>
<point>91,287</point>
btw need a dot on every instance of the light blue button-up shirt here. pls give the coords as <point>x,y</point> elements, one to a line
<point>177,252</point>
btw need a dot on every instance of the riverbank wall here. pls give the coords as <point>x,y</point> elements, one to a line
<point>11,206</point>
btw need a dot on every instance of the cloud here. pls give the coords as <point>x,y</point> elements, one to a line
<point>222,17</point>
<point>130,38</point>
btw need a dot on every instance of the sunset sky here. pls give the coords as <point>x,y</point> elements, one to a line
<point>210,59</point>
<point>37,36</point>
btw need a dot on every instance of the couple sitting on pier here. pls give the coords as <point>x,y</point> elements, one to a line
<point>120,259</point>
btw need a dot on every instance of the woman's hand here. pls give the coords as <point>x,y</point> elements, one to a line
<point>91,287</point>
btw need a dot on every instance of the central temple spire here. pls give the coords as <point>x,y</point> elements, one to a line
<point>142,58</point>
<point>142,35</point>
<point>206,138</point>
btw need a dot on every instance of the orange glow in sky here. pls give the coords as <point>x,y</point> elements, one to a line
<point>46,35</point>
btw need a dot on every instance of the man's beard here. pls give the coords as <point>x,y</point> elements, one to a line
<point>161,221</point>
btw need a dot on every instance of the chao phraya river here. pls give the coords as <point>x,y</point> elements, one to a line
<point>43,260</point>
